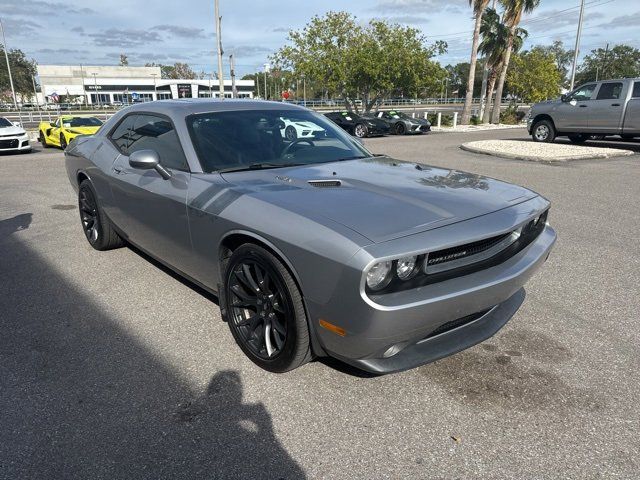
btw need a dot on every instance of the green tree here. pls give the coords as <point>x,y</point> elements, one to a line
<point>22,72</point>
<point>176,71</point>
<point>124,60</point>
<point>534,76</point>
<point>458,76</point>
<point>619,62</point>
<point>513,11</point>
<point>367,62</point>
<point>562,58</point>
<point>479,7</point>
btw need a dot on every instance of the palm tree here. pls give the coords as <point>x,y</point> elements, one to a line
<point>493,46</point>
<point>478,9</point>
<point>513,11</point>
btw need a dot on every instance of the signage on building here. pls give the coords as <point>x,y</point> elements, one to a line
<point>184,90</point>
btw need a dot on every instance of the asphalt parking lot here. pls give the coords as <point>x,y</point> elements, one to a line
<point>110,367</point>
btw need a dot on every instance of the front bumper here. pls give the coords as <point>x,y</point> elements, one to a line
<point>18,143</point>
<point>396,331</point>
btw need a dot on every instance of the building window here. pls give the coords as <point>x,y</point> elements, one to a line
<point>102,98</point>
<point>204,94</point>
<point>164,96</point>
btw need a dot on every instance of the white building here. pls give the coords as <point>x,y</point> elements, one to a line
<point>106,85</point>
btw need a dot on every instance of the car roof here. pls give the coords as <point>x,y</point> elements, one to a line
<point>188,106</point>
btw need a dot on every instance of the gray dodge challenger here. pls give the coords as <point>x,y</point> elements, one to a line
<point>313,246</point>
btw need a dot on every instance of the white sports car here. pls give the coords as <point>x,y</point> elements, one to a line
<point>13,137</point>
<point>299,129</point>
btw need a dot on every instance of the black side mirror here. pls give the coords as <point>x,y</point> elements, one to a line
<point>52,124</point>
<point>148,160</point>
<point>564,97</point>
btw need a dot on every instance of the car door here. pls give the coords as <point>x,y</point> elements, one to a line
<point>632,112</point>
<point>572,115</point>
<point>53,133</point>
<point>149,209</point>
<point>605,111</point>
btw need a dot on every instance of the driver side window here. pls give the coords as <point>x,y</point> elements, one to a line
<point>584,93</point>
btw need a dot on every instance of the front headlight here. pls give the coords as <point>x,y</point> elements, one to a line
<point>406,267</point>
<point>379,275</point>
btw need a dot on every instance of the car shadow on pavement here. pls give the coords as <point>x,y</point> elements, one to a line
<point>81,397</point>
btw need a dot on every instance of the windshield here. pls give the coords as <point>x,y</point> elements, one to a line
<point>239,140</point>
<point>5,123</point>
<point>82,122</point>
<point>397,115</point>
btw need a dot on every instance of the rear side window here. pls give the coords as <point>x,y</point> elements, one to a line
<point>157,133</point>
<point>610,91</point>
<point>636,90</point>
<point>121,136</point>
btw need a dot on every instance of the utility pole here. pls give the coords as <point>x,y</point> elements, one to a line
<point>220,52</point>
<point>232,67</point>
<point>266,70</point>
<point>84,91</point>
<point>604,62</point>
<point>6,57</point>
<point>257,82</point>
<point>304,89</point>
<point>35,93</point>
<point>95,88</point>
<point>575,53</point>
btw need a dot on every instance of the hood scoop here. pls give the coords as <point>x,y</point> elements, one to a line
<point>325,183</point>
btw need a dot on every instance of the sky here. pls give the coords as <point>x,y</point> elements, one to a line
<point>167,31</point>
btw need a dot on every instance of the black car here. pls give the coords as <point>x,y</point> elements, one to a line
<point>402,124</point>
<point>359,125</point>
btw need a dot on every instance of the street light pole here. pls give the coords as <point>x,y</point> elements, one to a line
<point>95,88</point>
<point>219,45</point>
<point>155,88</point>
<point>575,53</point>
<point>304,90</point>
<point>6,57</point>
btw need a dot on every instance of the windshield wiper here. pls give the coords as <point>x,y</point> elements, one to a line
<point>356,157</point>
<point>259,166</point>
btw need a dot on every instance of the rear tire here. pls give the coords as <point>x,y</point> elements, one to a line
<point>543,131</point>
<point>290,133</point>
<point>578,138</point>
<point>360,130</point>
<point>96,226</point>
<point>264,309</point>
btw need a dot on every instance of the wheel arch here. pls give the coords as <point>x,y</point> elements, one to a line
<point>233,239</point>
<point>81,176</point>
<point>543,116</point>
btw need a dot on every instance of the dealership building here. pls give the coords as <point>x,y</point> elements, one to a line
<point>105,85</point>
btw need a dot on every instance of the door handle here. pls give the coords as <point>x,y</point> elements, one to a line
<point>582,106</point>
<point>615,104</point>
<point>117,170</point>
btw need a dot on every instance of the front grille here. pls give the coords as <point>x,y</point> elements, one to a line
<point>456,253</point>
<point>13,143</point>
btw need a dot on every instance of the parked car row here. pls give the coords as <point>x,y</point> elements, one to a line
<point>380,123</point>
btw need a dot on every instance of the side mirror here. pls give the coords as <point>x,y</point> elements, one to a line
<point>148,160</point>
<point>52,124</point>
<point>564,97</point>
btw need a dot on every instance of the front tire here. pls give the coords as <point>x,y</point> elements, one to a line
<point>360,130</point>
<point>264,310</point>
<point>63,142</point>
<point>290,133</point>
<point>543,131</point>
<point>43,140</point>
<point>400,128</point>
<point>96,226</point>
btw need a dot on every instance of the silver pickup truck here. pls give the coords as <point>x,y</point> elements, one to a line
<point>610,107</point>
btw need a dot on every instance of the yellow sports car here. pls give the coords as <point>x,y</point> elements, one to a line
<point>66,128</point>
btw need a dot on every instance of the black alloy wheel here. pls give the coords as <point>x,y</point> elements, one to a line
<point>290,133</point>
<point>264,309</point>
<point>63,142</point>
<point>43,140</point>
<point>400,128</point>
<point>96,227</point>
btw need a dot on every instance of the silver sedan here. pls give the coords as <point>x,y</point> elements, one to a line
<point>314,246</point>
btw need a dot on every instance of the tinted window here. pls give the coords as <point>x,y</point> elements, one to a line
<point>5,123</point>
<point>157,133</point>
<point>584,93</point>
<point>636,90</point>
<point>610,91</point>
<point>240,139</point>
<point>83,121</point>
<point>121,136</point>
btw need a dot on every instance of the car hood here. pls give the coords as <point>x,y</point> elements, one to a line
<point>381,198</point>
<point>13,130</point>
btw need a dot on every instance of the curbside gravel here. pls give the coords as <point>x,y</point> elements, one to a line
<point>541,152</point>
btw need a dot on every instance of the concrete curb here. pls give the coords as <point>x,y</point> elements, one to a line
<point>609,153</point>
